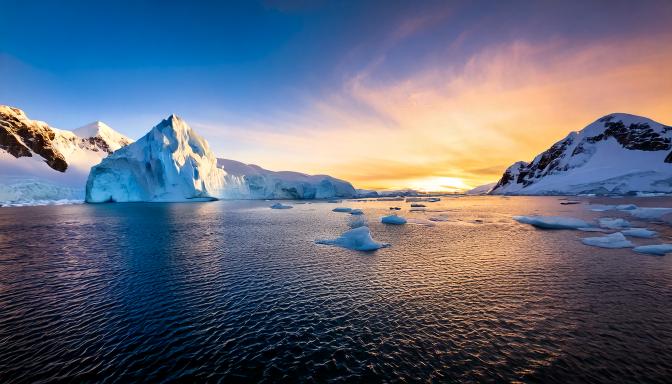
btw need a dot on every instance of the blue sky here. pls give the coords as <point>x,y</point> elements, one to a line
<point>265,81</point>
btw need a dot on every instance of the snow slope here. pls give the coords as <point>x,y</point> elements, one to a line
<point>617,154</point>
<point>39,162</point>
<point>481,189</point>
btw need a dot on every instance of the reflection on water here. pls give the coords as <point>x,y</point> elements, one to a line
<point>237,291</point>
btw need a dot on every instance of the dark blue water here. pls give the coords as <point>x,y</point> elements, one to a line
<point>237,292</point>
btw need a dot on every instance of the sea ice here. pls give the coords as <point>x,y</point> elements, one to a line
<point>342,209</point>
<point>614,240</point>
<point>640,232</point>
<point>418,205</point>
<point>656,249</point>
<point>606,207</point>
<point>280,206</point>
<point>393,219</point>
<point>610,223</point>
<point>357,221</point>
<point>356,212</point>
<point>358,239</point>
<point>650,213</point>
<point>552,222</point>
<point>418,221</point>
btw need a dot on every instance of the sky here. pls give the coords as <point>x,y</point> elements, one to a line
<point>385,94</point>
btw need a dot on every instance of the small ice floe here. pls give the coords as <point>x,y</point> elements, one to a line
<point>439,218</point>
<point>610,223</point>
<point>614,240</point>
<point>592,229</point>
<point>358,239</point>
<point>393,219</point>
<point>650,213</point>
<point>655,249</point>
<point>570,202</point>
<point>357,221</point>
<point>356,212</point>
<point>417,205</point>
<point>334,201</point>
<point>552,222</point>
<point>640,232</point>
<point>606,207</point>
<point>395,208</point>
<point>342,209</point>
<point>416,221</point>
<point>280,206</point>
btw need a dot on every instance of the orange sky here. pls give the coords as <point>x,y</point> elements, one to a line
<point>449,127</point>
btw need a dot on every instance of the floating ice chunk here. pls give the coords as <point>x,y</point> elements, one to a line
<point>650,213</point>
<point>606,207</point>
<point>395,208</point>
<point>358,239</point>
<point>393,219</point>
<point>614,240</point>
<point>439,218</point>
<point>356,212</point>
<point>570,202</point>
<point>428,223</point>
<point>610,223</point>
<point>552,222</point>
<point>334,201</point>
<point>592,229</point>
<point>357,221</point>
<point>342,209</point>
<point>640,232</point>
<point>418,205</point>
<point>656,249</point>
<point>280,206</point>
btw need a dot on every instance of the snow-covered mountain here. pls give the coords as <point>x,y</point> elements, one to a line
<point>39,162</point>
<point>617,154</point>
<point>173,163</point>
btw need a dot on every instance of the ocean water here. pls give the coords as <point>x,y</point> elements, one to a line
<point>233,291</point>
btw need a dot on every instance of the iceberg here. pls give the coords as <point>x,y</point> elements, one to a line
<point>357,221</point>
<point>342,209</point>
<point>393,219</point>
<point>170,163</point>
<point>356,212</point>
<point>655,249</point>
<point>358,239</point>
<point>640,232</point>
<point>610,223</point>
<point>552,222</point>
<point>614,240</point>
<point>281,206</point>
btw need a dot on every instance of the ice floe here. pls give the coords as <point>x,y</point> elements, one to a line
<point>356,212</point>
<point>640,232</point>
<point>552,222</point>
<point>357,221</point>
<point>393,219</point>
<point>358,239</point>
<point>614,240</point>
<point>418,221</point>
<point>280,206</point>
<point>650,213</point>
<point>611,223</point>
<point>655,249</point>
<point>342,209</point>
<point>606,207</point>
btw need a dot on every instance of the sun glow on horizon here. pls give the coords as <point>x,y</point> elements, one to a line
<point>438,184</point>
